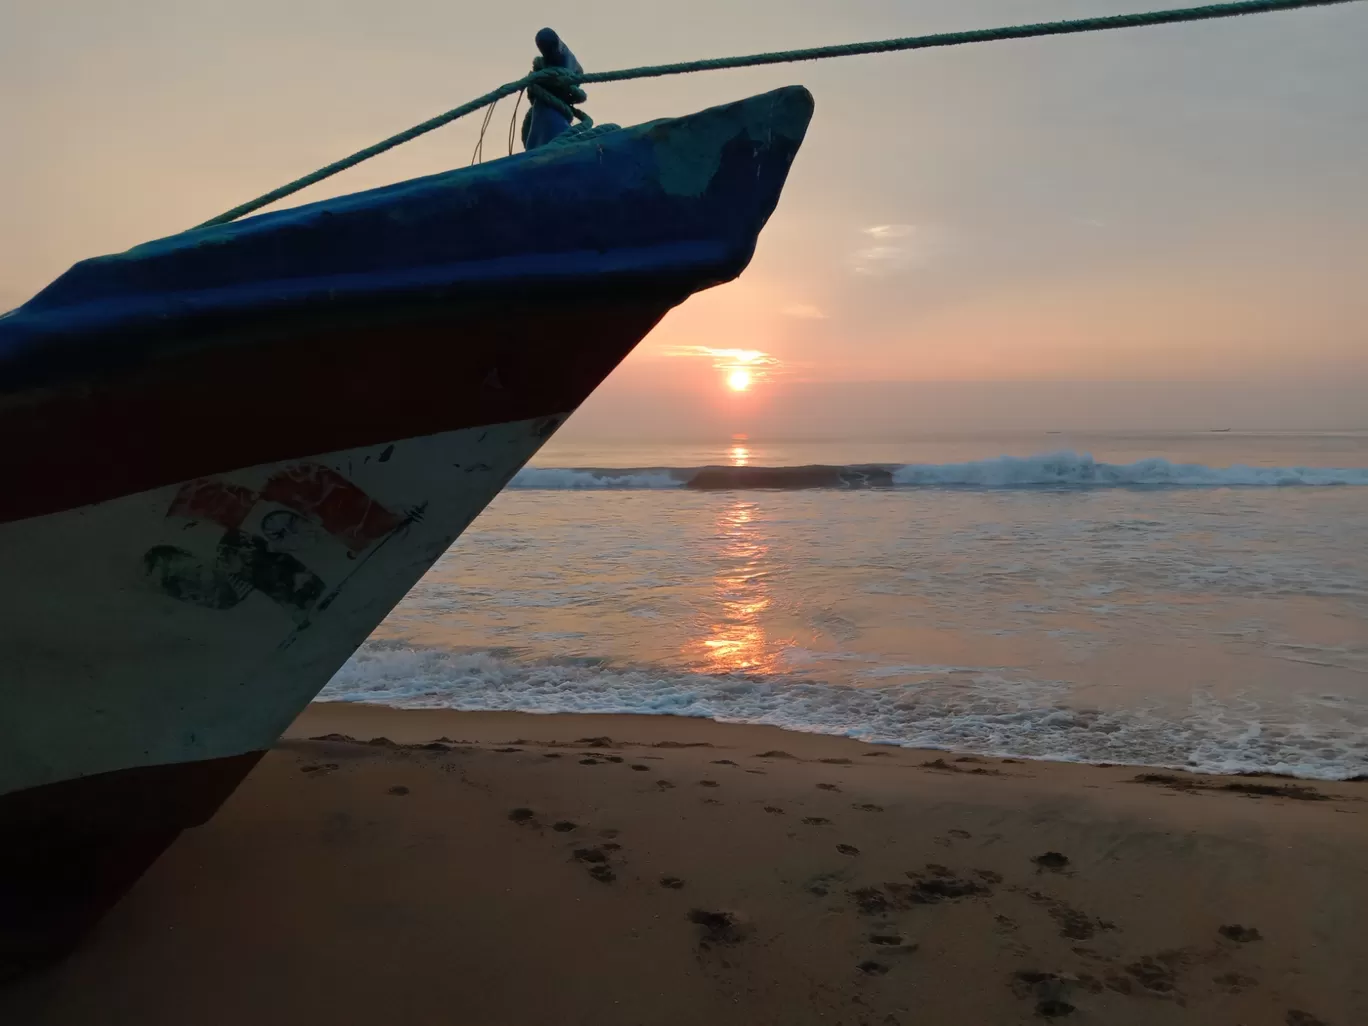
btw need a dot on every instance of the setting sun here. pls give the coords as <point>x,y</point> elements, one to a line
<point>741,370</point>
<point>739,380</point>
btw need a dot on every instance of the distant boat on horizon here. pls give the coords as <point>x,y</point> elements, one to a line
<point>233,451</point>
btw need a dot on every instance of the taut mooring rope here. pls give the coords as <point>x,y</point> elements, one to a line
<point>534,80</point>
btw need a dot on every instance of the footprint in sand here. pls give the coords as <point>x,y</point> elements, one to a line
<point>602,874</point>
<point>563,827</point>
<point>848,849</point>
<point>521,815</point>
<point>774,810</point>
<point>1052,860</point>
<point>318,769</point>
<point>664,785</point>
<point>504,751</point>
<point>589,762</point>
<point>868,807</point>
<point>827,787</point>
<point>708,783</point>
<point>872,968</point>
<point>1240,934</point>
<point>399,790</point>
<point>640,768</point>
<point>961,835</point>
<point>674,883</point>
<point>941,885</point>
<point>816,821</point>
<point>718,927</point>
<point>723,762</point>
<point>1048,988</point>
<point>1159,973</point>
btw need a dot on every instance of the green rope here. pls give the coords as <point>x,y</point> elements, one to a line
<point>548,76</point>
<point>558,89</point>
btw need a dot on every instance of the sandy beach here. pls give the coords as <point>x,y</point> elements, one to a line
<point>504,868</point>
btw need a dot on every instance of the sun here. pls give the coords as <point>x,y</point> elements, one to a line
<point>739,380</point>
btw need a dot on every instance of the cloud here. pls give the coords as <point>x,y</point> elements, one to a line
<point>890,231</point>
<point>887,256</point>
<point>804,311</point>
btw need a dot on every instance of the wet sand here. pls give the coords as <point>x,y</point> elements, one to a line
<point>511,869</point>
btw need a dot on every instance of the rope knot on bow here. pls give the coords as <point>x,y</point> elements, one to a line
<point>559,89</point>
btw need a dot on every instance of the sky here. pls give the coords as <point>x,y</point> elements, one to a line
<point>1159,228</point>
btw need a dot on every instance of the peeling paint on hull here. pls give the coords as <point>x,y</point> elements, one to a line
<point>161,635</point>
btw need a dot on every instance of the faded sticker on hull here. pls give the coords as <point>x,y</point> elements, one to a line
<point>245,562</point>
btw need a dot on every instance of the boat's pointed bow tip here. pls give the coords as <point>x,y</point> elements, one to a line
<point>785,111</point>
<point>798,100</point>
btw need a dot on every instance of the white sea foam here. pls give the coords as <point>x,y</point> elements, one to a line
<point>1053,470</point>
<point>983,711</point>
<point>1072,469</point>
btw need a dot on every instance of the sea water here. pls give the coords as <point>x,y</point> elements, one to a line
<point>1177,600</point>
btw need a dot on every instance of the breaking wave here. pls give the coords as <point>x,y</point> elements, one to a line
<point>980,711</point>
<point>1064,470</point>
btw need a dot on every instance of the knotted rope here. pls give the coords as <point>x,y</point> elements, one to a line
<point>557,88</point>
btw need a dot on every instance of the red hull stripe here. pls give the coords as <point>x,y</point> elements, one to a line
<point>242,403</point>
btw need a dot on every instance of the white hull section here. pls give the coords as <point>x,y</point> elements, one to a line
<point>195,621</point>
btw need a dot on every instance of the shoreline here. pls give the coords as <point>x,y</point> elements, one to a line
<point>432,866</point>
<point>381,709</point>
<point>633,730</point>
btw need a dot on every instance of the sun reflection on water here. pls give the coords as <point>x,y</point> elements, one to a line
<point>736,640</point>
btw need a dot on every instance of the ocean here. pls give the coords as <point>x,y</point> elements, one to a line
<point>1177,600</point>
